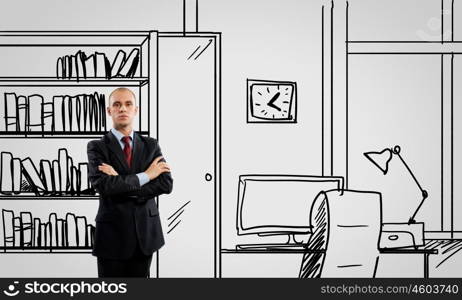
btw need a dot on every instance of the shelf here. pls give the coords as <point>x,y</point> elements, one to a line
<point>74,82</point>
<point>60,135</point>
<point>40,198</point>
<point>260,250</point>
<point>26,250</point>
<point>73,38</point>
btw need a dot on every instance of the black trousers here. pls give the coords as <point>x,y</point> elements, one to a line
<point>136,266</point>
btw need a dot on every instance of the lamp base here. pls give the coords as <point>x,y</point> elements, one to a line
<point>402,235</point>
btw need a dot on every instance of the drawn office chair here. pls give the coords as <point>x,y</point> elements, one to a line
<point>346,234</point>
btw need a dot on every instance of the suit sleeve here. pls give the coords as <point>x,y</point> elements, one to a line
<point>163,184</point>
<point>107,185</point>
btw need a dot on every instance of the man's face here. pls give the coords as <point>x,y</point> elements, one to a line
<point>122,108</point>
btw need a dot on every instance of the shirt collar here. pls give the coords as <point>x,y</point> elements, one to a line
<point>119,135</point>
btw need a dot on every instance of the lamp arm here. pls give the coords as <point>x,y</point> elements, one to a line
<point>396,151</point>
<point>424,196</point>
<point>410,172</point>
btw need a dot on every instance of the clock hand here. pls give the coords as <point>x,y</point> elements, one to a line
<point>271,102</point>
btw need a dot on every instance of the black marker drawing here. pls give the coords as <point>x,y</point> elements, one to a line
<point>97,65</point>
<point>64,114</point>
<point>174,220</point>
<point>342,83</point>
<point>27,233</point>
<point>60,176</point>
<point>346,228</point>
<point>271,101</point>
<point>377,158</point>
<point>289,194</point>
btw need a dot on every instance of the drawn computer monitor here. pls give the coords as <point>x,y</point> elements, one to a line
<point>279,204</point>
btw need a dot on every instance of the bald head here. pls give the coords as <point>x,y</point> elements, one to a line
<point>121,90</point>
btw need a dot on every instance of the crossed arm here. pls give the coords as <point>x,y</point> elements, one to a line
<point>109,183</point>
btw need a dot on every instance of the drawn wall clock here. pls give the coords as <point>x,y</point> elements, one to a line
<point>271,101</point>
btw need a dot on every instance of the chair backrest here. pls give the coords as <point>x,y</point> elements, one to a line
<point>346,224</point>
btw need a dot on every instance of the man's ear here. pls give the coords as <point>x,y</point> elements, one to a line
<point>108,110</point>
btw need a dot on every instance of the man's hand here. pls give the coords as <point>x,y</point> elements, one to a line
<point>156,168</point>
<point>107,169</point>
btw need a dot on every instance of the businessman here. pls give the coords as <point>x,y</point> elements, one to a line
<point>128,171</point>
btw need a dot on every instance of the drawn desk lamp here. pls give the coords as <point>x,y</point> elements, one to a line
<point>399,235</point>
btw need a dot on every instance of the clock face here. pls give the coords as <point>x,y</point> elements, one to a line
<point>272,101</point>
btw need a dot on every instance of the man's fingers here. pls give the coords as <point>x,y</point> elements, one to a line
<point>157,159</point>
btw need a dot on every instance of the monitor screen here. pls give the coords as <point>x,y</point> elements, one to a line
<point>279,204</point>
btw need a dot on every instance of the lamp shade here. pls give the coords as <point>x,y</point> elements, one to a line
<point>380,159</point>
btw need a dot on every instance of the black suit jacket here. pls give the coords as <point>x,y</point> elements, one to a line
<point>127,211</point>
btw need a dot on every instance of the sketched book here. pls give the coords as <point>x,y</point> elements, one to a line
<point>52,220</point>
<point>59,68</point>
<point>102,111</point>
<point>63,165</point>
<point>45,234</point>
<point>36,233</point>
<point>2,115</point>
<point>16,177</point>
<point>74,179</point>
<point>81,231</point>
<point>8,227</point>
<point>90,235</point>
<point>6,176</point>
<point>71,229</point>
<point>84,112</point>
<point>73,121</point>
<point>93,113</point>
<point>90,66</point>
<point>46,174</point>
<point>130,65</point>
<point>69,186</point>
<point>57,177</point>
<point>68,64</point>
<point>34,117</point>
<point>23,112</point>
<point>11,122</point>
<point>83,186</point>
<point>117,64</point>
<point>67,109</point>
<point>79,65</point>
<point>79,102</point>
<point>17,231</point>
<point>33,177</point>
<point>26,229</point>
<point>82,67</point>
<point>58,113</point>
<point>100,64</point>
<point>48,116</point>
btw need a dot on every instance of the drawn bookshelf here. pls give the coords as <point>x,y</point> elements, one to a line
<point>53,89</point>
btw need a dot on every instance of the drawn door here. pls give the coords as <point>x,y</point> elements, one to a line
<point>186,136</point>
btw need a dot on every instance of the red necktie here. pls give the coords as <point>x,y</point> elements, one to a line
<point>127,150</point>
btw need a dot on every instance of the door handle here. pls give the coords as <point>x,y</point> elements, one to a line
<point>208,177</point>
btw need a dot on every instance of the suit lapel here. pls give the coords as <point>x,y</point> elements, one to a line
<point>137,156</point>
<point>115,148</point>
